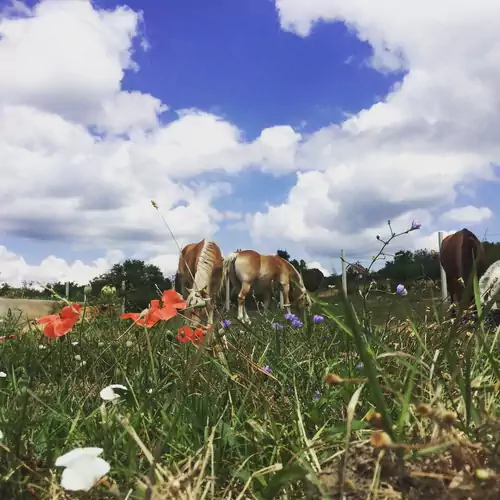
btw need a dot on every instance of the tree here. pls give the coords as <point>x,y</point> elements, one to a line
<point>283,254</point>
<point>409,266</point>
<point>142,282</point>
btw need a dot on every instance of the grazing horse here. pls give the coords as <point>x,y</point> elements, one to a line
<point>313,278</point>
<point>489,284</point>
<point>458,253</point>
<point>248,268</point>
<point>200,275</point>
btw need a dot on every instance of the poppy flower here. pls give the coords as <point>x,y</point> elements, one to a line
<point>171,301</point>
<point>186,334</point>
<point>57,325</point>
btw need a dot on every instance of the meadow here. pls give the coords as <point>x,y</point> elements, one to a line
<point>386,399</point>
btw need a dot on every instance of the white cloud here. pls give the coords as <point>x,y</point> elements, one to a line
<point>433,135</point>
<point>398,159</point>
<point>317,265</point>
<point>62,65</point>
<point>468,214</point>
<point>14,270</point>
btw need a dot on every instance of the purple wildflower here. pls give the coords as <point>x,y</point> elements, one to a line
<point>225,323</point>
<point>318,319</point>
<point>401,290</point>
<point>267,368</point>
<point>317,395</point>
<point>296,323</point>
<point>277,326</point>
<point>415,225</point>
<point>290,316</point>
<point>359,367</point>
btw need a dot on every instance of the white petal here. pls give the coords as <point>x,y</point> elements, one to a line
<point>84,473</point>
<point>108,394</point>
<point>3,374</point>
<point>1,435</point>
<point>77,454</point>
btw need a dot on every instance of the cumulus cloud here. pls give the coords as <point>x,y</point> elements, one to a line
<point>409,153</point>
<point>82,158</point>
<point>15,271</point>
<point>468,214</point>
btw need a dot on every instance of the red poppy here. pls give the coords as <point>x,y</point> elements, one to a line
<point>57,325</point>
<point>171,301</point>
<point>186,334</point>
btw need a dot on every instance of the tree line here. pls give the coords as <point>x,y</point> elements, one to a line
<point>143,281</point>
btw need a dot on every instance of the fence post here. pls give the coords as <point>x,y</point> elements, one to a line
<point>344,272</point>
<point>444,286</point>
<point>124,284</point>
<point>67,289</point>
<point>228,293</point>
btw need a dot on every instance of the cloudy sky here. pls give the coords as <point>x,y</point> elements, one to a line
<point>265,124</point>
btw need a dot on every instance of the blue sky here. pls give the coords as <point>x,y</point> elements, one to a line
<point>258,65</point>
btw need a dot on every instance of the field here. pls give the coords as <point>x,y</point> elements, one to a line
<point>388,402</point>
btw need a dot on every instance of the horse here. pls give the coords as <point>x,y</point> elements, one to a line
<point>248,268</point>
<point>459,252</point>
<point>199,276</point>
<point>489,284</point>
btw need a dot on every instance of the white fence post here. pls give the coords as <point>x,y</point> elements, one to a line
<point>124,285</point>
<point>228,293</point>
<point>444,286</point>
<point>344,272</point>
<point>67,289</point>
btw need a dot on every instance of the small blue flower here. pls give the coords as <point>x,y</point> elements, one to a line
<point>267,368</point>
<point>359,367</point>
<point>277,326</point>
<point>296,323</point>
<point>290,316</point>
<point>225,323</point>
<point>317,395</point>
<point>318,319</point>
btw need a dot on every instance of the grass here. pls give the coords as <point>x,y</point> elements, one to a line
<point>405,412</point>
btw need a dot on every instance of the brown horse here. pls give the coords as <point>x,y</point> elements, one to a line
<point>458,253</point>
<point>200,275</point>
<point>247,267</point>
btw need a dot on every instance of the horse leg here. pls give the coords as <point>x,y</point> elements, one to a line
<point>286,296</point>
<point>242,311</point>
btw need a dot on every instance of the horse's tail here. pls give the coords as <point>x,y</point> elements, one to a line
<point>226,266</point>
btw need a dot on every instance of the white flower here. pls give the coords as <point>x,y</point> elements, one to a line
<point>129,343</point>
<point>150,391</point>
<point>3,374</point>
<point>83,468</point>
<point>83,363</point>
<point>74,343</point>
<point>41,346</point>
<point>100,344</point>
<point>78,357</point>
<point>108,393</point>
<point>1,435</point>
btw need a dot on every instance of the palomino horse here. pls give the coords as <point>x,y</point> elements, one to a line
<point>200,275</point>
<point>248,267</point>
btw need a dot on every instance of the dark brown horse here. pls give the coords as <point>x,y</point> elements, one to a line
<point>458,253</point>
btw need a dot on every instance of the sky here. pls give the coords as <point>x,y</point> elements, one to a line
<point>262,124</point>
